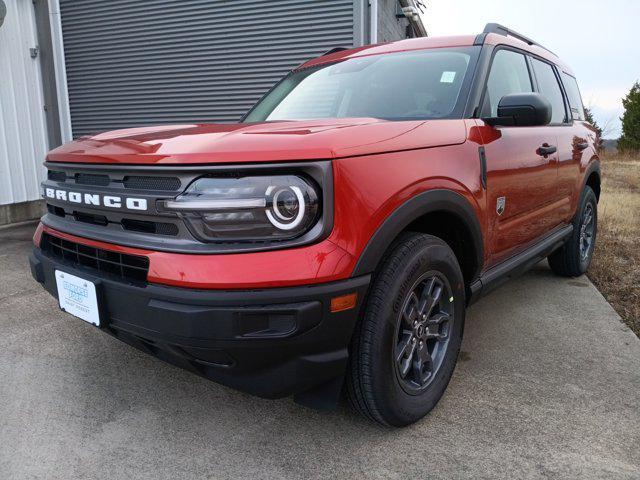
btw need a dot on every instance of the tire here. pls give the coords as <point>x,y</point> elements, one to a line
<point>574,257</point>
<point>375,385</point>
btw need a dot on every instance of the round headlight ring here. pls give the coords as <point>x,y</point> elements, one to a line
<point>276,204</point>
<point>274,212</point>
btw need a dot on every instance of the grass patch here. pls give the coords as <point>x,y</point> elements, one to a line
<point>615,268</point>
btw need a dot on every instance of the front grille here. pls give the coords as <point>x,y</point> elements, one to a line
<point>58,211</point>
<point>158,228</point>
<point>132,268</point>
<point>90,218</point>
<point>56,176</point>
<point>132,182</point>
<point>151,183</point>
<point>92,179</point>
<point>143,226</point>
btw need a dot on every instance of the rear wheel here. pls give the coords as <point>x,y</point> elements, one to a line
<point>574,257</point>
<point>406,345</point>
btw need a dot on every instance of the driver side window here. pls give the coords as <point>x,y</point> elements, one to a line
<point>509,74</point>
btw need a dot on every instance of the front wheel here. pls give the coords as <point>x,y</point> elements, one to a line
<point>406,345</point>
<point>574,257</point>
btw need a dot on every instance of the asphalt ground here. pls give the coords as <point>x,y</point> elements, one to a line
<point>547,386</point>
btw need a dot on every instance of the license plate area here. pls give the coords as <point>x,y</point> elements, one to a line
<point>78,297</point>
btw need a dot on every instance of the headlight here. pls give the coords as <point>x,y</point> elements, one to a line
<point>249,208</point>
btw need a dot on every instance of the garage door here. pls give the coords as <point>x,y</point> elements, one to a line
<point>132,63</point>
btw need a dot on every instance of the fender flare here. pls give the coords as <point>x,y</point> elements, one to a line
<point>437,200</point>
<point>593,166</point>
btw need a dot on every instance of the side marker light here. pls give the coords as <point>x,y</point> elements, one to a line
<point>344,302</point>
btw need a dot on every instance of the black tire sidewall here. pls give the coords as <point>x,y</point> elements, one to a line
<point>402,407</point>
<point>567,260</point>
<point>588,197</point>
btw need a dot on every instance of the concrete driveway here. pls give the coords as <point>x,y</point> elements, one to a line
<point>547,386</point>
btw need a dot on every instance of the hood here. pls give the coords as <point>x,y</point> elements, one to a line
<point>259,142</point>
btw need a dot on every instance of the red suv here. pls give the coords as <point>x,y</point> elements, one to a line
<point>333,238</point>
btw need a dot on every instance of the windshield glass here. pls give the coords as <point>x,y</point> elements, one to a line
<point>421,84</point>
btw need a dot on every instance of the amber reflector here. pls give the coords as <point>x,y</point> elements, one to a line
<point>344,302</point>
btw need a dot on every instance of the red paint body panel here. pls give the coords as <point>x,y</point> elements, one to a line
<point>259,142</point>
<point>368,189</point>
<point>319,263</point>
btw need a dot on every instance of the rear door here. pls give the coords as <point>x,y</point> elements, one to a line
<point>573,146</point>
<point>521,182</point>
<point>547,78</point>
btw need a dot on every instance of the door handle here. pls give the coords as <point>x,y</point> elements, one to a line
<point>546,149</point>
<point>582,145</point>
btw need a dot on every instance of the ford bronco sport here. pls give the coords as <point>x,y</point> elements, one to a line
<point>332,239</point>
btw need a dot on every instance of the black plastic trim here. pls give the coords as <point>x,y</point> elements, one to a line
<point>477,85</point>
<point>483,166</point>
<point>271,342</point>
<point>334,50</point>
<point>507,32</point>
<point>594,166</point>
<point>396,222</point>
<point>518,264</point>
<point>480,38</point>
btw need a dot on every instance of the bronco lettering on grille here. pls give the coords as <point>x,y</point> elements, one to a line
<point>111,201</point>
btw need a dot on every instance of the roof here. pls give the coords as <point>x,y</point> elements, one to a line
<point>419,43</point>
<point>422,43</point>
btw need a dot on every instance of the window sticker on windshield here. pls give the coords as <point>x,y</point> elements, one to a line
<point>447,77</point>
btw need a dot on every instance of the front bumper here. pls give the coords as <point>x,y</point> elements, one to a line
<point>271,342</point>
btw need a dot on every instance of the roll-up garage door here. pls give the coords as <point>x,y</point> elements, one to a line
<point>133,63</point>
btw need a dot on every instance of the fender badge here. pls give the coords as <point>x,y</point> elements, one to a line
<point>500,205</point>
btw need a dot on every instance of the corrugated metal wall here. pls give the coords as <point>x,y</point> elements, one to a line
<point>23,141</point>
<point>132,63</point>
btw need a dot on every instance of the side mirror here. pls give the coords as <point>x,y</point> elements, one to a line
<point>522,110</point>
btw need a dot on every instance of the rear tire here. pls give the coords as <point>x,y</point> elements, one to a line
<point>574,257</point>
<point>406,345</point>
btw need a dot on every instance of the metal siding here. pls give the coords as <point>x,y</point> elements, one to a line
<point>23,142</point>
<point>132,63</point>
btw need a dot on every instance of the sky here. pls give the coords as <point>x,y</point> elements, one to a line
<point>599,39</point>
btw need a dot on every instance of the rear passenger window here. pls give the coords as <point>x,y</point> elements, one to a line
<point>575,100</point>
<point>509,74</point>
<point>550,88</point>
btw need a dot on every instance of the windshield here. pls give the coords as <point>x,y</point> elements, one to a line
<point>421,84</point>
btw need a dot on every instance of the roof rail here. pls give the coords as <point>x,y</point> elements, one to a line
<point>334,50</point>
<point>507,32</point>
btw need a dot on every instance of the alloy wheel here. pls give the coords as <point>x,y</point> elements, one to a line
<point>587,228</point>
<point>422,335</point>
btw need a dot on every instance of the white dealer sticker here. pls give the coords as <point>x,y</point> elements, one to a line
<point>447,77</point>
<point>77,296</point>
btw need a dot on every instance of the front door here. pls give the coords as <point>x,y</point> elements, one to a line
<point>521,188</point>
<point>522,166</point>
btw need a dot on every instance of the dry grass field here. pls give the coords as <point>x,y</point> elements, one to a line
<point>615,269</point>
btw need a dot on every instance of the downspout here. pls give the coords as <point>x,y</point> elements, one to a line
<point>373,21</point>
